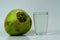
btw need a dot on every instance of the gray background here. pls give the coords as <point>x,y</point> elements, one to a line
<point>30,6</point>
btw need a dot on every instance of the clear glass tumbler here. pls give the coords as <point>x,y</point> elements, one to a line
<point>40,22</point>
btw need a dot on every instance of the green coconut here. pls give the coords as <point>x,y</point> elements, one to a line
<point>17,22</point>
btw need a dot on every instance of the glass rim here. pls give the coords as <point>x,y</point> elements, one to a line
<point>40,13</point>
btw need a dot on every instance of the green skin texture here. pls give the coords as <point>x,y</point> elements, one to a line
<point>13,26</point>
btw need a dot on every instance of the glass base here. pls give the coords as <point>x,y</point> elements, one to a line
<point>42,33</point>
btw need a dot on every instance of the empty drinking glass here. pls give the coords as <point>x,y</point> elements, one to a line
<point>40,22</point>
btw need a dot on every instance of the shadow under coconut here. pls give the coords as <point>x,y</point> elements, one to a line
<point>17,38</point>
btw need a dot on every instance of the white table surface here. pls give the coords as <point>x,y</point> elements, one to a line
<point>31,36</point>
